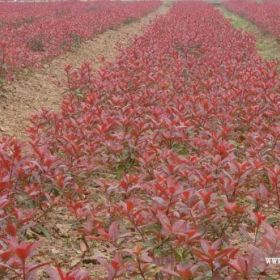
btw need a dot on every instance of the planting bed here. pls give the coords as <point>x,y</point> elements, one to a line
<point>164,165</point>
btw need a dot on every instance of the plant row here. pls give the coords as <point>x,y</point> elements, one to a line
<point>33,33</point>
<point>168,159</point>
<point>265,14</point>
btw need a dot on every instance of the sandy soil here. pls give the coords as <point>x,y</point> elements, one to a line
<point>36,89</point>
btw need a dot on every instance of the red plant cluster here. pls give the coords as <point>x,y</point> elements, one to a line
<point>265,14</point>
<point>169,157</point>
<point>32,33</point>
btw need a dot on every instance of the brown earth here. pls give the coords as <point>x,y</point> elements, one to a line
<point>36,89</point>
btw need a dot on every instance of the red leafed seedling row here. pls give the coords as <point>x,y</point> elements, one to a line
<point>33,33</point>
<point>265,14</point>
<point>169,157</point>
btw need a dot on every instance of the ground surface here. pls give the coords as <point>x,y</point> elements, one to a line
<point>36,89</point>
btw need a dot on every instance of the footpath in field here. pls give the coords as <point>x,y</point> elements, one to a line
<point>266,44</point>
<point>40,89</point>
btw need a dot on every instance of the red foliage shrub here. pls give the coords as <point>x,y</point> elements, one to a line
<point>265,14</point>
<point>32,33</point>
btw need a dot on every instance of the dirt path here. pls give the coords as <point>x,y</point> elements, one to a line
<point>266,44</point>
<point>40,89</point>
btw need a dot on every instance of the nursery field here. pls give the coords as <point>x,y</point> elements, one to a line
<point>33,33</point>
<point>161,161</point>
